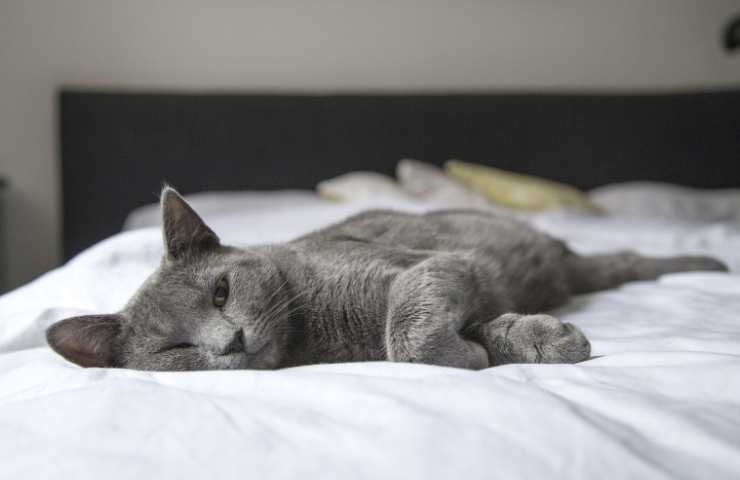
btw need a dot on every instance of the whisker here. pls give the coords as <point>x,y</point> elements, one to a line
<point>283,304</point>
<point>269,317</point>
<point>277,290</point>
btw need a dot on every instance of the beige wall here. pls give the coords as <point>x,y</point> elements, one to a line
<point>322,45</point>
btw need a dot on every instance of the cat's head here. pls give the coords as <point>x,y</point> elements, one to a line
<point>207,306</point>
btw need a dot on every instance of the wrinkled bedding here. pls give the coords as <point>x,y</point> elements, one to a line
<point>660,398</point>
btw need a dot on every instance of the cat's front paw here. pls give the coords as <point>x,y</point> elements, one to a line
<point>514,338</point>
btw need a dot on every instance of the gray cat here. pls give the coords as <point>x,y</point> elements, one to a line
<point>438,288</point>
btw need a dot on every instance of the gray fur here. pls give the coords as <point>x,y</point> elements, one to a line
<point>438,288</point>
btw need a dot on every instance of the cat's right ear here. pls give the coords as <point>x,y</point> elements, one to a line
<point>89,341</point>
<point>184,231</point>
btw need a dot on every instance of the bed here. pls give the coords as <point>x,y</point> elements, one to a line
<point>659,399</point>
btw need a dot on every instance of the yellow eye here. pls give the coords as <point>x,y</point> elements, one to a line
<point>221,293</point>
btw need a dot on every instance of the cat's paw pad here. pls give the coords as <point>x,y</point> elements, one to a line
<point>514,338</point>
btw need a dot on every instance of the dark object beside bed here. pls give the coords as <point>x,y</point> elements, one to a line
<point>116,148</point>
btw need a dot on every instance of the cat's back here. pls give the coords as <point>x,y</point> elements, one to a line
<point>367,240</point>
<point>443,230</point>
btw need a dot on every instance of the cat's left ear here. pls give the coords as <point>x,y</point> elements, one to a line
<point>89,341</point>
<point>184,231</point>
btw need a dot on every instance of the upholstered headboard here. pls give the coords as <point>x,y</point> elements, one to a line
<point>117,147</point>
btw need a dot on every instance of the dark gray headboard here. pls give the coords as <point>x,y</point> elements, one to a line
<point>117,148</point>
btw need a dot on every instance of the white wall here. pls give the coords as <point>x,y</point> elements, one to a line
<point>322,45</point>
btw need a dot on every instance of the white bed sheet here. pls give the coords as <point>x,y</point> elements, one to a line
<point>662,400</point>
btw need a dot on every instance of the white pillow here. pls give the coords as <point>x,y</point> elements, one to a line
<point>668,201</point>
<point>359,186</point>
<point>433,186</point>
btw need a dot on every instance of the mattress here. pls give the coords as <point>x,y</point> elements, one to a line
<point>659,399</point>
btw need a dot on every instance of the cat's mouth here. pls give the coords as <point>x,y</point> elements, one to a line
<point>259,356</point>
<point>244,344</point>
<point>254,352</point>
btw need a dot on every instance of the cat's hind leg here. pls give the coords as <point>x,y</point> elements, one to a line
<point>600,272</point>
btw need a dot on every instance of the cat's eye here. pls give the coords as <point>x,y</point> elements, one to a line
<point>221,292</point>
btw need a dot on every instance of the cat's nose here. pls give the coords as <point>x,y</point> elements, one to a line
<point>236,344</point>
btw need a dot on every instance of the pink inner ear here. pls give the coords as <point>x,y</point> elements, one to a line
<point>88,341</point>
<point>85,359</point>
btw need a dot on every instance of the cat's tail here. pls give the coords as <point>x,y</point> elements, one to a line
<point>600,272</point>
